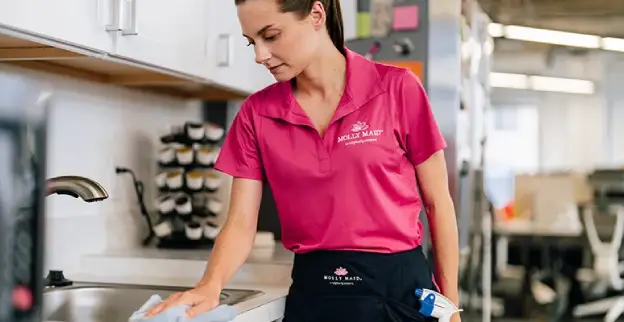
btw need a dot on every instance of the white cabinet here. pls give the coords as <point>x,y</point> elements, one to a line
<point>78,22</point>
<point>230,61</point>
<point>202,38</point>
<point>165,33</point>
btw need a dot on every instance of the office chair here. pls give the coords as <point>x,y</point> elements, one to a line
<point>607,266</point>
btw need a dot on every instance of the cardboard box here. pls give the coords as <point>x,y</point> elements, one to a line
<point>551,186</point>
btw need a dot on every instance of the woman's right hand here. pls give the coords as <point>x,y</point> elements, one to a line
<point>201,299</point>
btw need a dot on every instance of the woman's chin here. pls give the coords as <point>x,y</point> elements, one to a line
<point>282,77</point>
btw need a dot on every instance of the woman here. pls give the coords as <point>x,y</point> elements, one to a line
<point>343,142</point>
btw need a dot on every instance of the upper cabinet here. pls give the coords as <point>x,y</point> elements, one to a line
<point>230,60</point>
<point>165,33</point>
<point>199,40</point>
<point>79,22</point>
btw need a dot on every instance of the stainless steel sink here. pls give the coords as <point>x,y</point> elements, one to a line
<point>94,302</point>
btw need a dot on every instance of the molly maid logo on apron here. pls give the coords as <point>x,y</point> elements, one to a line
<point>341,277</point>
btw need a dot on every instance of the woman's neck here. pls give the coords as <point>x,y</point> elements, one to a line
<point>325,75</point>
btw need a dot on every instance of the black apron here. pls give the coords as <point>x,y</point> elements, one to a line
<point>345,286</point>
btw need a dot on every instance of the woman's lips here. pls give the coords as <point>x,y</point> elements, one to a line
<point>275,69</point>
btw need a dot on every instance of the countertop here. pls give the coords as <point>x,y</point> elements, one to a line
<point>267,270</point>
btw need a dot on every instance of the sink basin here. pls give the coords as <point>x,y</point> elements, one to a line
<point>94,302</point>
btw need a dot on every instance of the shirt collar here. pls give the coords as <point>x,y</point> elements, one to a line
<point>363,83</point>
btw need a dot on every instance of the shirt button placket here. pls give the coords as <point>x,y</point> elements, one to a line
<point>323,158</point>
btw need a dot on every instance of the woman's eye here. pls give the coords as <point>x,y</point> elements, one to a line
<point>250,44</point>
<point>271,38</point>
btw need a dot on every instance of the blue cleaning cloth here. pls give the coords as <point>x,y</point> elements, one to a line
<point>222,313</point>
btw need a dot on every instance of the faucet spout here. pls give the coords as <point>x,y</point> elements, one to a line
<point>77,187</point>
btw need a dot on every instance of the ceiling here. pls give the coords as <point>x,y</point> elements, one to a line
<point>598,17</point>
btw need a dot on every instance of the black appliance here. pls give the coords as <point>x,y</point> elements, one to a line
<point>22,180</point>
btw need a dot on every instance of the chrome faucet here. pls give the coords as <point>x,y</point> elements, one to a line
<point>77,187</point>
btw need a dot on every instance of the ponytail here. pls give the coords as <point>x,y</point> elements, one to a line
<point>334,24</point>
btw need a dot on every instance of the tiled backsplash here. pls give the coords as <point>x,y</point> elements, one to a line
<point>92,129</point>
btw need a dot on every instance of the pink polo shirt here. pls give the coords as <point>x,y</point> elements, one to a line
<point>355,188</point>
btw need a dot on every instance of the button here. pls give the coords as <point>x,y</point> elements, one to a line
<point>22,298</point>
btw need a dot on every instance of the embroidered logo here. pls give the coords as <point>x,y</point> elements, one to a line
<point>341,277</point>
<point>359,126</point>
<point>341,271</point>
<point>360,134</point>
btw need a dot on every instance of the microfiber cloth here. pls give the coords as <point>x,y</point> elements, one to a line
<point>222,313</point>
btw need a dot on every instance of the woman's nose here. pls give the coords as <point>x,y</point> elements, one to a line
<point>262,54</point>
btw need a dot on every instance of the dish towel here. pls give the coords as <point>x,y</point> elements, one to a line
<point>222,313</point>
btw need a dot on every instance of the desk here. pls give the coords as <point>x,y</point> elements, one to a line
<point>551,239</point>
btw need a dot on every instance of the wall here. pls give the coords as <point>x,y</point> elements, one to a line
<point>576,131</point>
<point>92,129</point>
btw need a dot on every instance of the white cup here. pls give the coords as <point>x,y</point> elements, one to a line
<point>166,155</point>
<point>211,231</point>
<point>161,180</point>
<point>185,155</point>
<point>214,205</point>
<point>212,179</point>
<point>183,204</point>
<point>214,154</point>
<point>214,132</point>
<point>193,230</point>
<point>174,180</point>
<point>166,204</point>
<point>195,131</point>
<point>205,155</point>
<point>165,228</point>
<point>194,180</point>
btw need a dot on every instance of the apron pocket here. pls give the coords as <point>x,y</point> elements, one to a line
<point>399,311</point>
<point>364,308</point>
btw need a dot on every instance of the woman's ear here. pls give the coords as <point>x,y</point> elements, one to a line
<point>318,15</point>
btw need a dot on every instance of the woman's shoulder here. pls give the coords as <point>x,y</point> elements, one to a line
<point>269,95</point>
<point>396,78</point>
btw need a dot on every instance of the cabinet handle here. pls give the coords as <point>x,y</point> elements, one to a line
<point>111,12</point>
<point>129,12</point>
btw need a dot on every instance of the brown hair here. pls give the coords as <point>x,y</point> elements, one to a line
<point>332,9</point>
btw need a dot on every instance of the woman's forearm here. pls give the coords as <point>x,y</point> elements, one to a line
<point>231,248</point>
<point>445,240</point>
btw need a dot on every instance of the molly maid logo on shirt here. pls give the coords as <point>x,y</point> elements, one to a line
<point>341,276</point>
<point>360,133</point>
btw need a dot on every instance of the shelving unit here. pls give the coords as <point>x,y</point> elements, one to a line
<point>187,183</point>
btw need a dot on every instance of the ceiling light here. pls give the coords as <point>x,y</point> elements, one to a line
<point>542,83</point>
<point>562,85</point>
<point>506,80</point>
<point>496,30</point>
<point>615,44</point>
<point>555,37</point>
<point>552,37</point>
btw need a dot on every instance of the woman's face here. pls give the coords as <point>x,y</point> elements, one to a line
<point>283,42</point>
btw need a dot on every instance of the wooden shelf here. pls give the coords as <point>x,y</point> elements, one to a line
<point>107,69</point>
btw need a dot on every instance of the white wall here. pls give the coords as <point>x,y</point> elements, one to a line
<point>576,131</point>
<point>94,128</point>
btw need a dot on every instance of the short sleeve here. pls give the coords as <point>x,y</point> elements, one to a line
<point>239,155</point>
<point>420,135</point>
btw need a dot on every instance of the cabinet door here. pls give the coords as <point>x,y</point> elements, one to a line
<point>165,33</point>
<point>82,23</point>
<point>231,62</point>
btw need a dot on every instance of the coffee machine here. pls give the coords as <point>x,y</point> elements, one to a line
<point>22,185</point>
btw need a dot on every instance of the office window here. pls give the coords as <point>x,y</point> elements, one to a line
<point>512,147</point>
